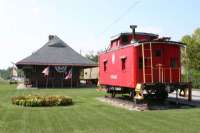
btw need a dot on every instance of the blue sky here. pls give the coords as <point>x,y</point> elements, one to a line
<point>87,25</point>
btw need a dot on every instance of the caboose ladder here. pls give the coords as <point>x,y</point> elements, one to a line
<point>143,59</point>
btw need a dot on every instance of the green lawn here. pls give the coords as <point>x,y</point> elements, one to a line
<point>88,115</point>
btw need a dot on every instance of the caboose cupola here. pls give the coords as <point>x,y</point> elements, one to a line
<point>128,38</point>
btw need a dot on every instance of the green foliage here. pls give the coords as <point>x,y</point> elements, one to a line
<point>35,100</point>
<point>195,78</point>
<point>193,49</point>
<point>88,115</point>
<point>92,56</point>
<point>5,73</point>
<point>191,61</point>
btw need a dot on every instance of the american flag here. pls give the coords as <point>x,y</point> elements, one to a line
<point>46,71</point>
<point>69,75</point>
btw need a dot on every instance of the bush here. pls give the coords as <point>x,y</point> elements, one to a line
<point>37,101</point>
<point>195,77</point>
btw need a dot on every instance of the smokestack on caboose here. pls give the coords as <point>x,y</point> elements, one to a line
<point>133,27</point>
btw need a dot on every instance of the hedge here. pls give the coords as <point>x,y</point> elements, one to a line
<point>37,101</point>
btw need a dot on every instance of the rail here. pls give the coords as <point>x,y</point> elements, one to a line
<point>164,74</point>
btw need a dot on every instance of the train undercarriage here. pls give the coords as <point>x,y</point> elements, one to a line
<point>155,90</point>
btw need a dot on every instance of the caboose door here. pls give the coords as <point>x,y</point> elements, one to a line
<point>150,63</point>
<point>158,63</point>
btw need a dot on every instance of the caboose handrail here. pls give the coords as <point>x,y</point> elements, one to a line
<point>143,61</point>
<point>151,63</point>
<point>162,72</point>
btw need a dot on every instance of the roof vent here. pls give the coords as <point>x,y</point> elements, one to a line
<point>51,37</point>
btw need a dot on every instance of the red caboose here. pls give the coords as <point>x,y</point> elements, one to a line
<point>140,61</point>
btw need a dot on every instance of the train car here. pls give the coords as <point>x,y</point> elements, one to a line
<point>138,62</point>
<point>90,75</point>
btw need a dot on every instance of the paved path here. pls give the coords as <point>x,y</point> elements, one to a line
<point>195,95</point>
<point>195,98</point>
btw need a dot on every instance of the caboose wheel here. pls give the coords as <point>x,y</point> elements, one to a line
<point>162,94</point>
<point>113,94</point>
<point>132,94</point>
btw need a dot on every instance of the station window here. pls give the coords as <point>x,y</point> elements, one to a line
<point>173,63</point>
<point>105,66</point>
<point>158,53</point>
<point>123,60</point>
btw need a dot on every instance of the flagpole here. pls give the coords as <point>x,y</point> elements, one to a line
<point>47,80</point>
<point>63,79</point>
<point>72,77</point>
<point>46,73</point>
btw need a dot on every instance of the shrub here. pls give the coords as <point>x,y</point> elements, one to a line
<point>37,101</point>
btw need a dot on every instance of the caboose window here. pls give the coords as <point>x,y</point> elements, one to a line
<point>157,53</point>
<point>173,63</point>
<point>124,39</point>
<point>141,62</point>
<point>105,66</point>
<point>123,60</point>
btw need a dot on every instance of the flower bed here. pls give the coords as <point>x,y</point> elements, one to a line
<point>37,101</point>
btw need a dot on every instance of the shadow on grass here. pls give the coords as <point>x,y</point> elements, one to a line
<point>43,107</point>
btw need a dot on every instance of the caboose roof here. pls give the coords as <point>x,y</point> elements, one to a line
<point>130,33</point>
<point>56,52</point>
<point>160,42</point>
<point>147,42</point>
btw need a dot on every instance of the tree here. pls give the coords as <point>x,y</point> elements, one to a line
<point>94,56</point>
<point>5,73</point>
<point>193,49</point>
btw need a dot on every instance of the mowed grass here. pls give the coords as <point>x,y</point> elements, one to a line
<point>88,115</point>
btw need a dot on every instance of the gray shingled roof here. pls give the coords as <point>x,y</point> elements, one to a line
<point>56,52</point>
